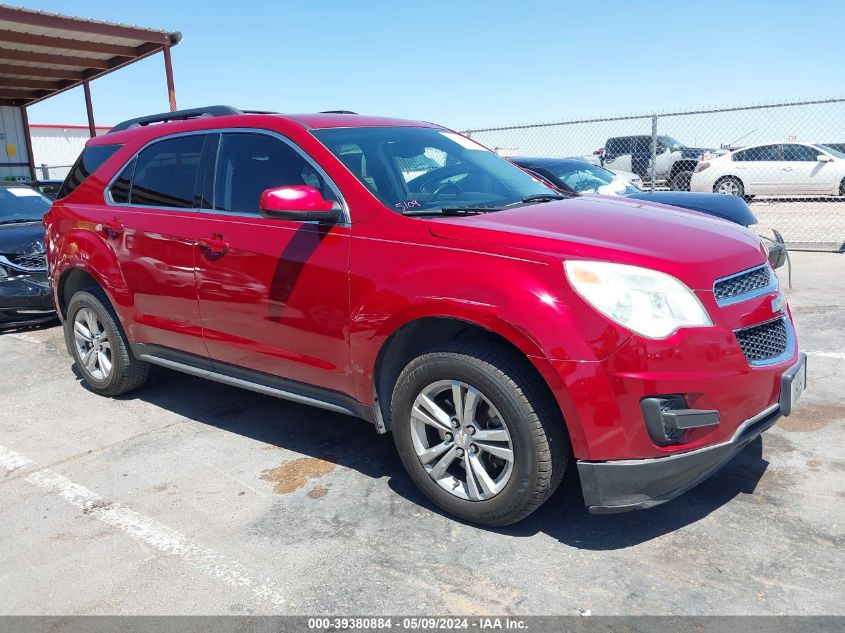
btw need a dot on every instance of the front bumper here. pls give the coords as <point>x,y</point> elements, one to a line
<point>25,300</point>
<point>621,485</point>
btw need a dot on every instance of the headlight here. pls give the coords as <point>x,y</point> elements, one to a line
<point>647,302</point>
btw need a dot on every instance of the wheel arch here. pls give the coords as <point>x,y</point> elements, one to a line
<point>416,336</point>
<point>726,177</point>
<point>72,281</point>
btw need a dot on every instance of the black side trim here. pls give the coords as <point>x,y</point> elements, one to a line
<point>253,380</point>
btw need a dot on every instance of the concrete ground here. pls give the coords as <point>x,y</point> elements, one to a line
<point>189,497</point>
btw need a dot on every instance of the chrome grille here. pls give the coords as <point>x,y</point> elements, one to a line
<point>742,283</point>
<point>32,261</point>
<point>765,341</point>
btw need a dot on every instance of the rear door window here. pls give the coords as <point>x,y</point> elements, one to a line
<point>87,163</point>
<point>165,173</point>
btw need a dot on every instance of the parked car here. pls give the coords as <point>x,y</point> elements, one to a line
<point>674,162</point>
<point>577,176</point>
<point>49,188</point>
<point>777,169</point>
<point>496,327</point>
<point>25,297</point>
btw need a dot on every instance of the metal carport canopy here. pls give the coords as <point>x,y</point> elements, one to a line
<point>43,54</point>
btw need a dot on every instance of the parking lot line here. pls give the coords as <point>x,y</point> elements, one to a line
<point>147,530</point>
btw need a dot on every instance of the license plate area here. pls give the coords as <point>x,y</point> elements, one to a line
<point>792,384</point>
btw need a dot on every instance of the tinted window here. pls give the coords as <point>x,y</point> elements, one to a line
<point>642,145</point>
<point>764,152</point>
<point>618,146</point>
<point>249,164</point>
<point>87,163</point>
<point>120,187</point>
<point>166,173</point>
<point>800,152</point>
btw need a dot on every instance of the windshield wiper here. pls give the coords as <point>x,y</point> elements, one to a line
<point>19,221</point>
<point>452,211</point>
<point>546,197</point>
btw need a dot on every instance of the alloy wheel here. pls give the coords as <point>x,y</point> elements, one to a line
<point>461,440</point>
<point>93,346</point>
<point>728,187</point>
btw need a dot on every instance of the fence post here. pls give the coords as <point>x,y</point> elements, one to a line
<point>653,150</point>
<point>45,171</point>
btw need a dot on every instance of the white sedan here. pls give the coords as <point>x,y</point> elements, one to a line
<point>779,169</point>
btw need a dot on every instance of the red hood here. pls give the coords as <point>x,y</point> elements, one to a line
<point>693,247</point>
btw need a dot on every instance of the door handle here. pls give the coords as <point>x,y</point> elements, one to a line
<point>787,168</point>
<point>215,244</point>
<point>112,228</point>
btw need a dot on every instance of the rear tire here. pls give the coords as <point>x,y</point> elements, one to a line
<point>506,451</point>
<point>729,185</point>
<point>99,345</point>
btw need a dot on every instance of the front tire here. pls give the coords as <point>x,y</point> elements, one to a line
<point>729,186</point>
<point>478,432</point>
<point>100,347</point>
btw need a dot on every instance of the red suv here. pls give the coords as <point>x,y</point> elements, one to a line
<point>399,272</point>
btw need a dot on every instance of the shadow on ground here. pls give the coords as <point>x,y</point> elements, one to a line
<point>353,443</point>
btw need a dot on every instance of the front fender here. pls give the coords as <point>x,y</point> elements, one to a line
<point>525,302</point>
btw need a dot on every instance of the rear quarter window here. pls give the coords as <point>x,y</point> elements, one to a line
<point>88,162</point>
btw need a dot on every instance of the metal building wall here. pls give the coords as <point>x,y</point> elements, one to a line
<point>56,148</point>
<point>12,144</point>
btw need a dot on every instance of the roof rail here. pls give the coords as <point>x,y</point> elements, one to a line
<point>337,112</point>
<point>178,115</point>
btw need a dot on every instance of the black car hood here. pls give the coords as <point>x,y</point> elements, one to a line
<point>732,208</point>
<point>21,239</point>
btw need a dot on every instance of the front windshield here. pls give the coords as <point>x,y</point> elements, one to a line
<point>420,169</point>
<point>22,204</point>
<point>583,177</point>
<point>831,151</point>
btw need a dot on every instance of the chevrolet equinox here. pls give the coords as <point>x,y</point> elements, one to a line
<point>400,272</point>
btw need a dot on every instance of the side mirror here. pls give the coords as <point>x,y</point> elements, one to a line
<point>298,202</point>
<point>777,251</point>
<point>823,158</point>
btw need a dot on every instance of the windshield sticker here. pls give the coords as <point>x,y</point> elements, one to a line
<point>463,141</point>
<point>409,204</point>
<point>23,192</point>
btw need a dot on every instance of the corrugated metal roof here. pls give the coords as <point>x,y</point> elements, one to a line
<point>42,54</point>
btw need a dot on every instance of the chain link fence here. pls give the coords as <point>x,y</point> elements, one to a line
<point>52,172</point>
<point>786,159</point>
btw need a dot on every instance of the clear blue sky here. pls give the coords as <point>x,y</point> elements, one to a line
<point>468,63</point>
